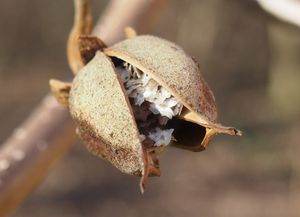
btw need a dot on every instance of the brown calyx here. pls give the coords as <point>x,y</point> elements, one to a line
<point>61,91</point>
<point>88,46</point>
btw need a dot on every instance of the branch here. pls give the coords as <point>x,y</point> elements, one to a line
<point>25,158</point>
<point>287,10</point>
<point>82,26</point>
<point>48,133</point>
<point>139,14</point>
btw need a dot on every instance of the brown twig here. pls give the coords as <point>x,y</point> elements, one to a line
<point>82,26</point>
<point>138,15</point>
<point>25,158</point>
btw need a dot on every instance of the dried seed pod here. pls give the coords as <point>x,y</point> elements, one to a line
<point>136,97</point>
<point>179,73</point>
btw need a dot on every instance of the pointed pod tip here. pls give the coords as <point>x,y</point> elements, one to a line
<point>234,132</point>
<point>217,128</point>
<point>142,186</point>
<point>238,132</point>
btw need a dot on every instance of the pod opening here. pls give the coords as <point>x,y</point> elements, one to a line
<point>188,135</point>
<point>152,105</point>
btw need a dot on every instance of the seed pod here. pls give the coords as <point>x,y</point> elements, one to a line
<point>107,117</point>
<point>179,73</point>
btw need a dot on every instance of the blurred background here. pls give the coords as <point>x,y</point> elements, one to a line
<point>251,61</point>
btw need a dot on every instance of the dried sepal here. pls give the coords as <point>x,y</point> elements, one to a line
<point>61,91</point>
<point>130,32</point>
<point>88,46</point>
<point>151,167</point>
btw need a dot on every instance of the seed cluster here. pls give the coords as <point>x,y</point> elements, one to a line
<point>152,105</point>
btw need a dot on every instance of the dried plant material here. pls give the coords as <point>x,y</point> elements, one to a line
<point>178,73</point>
<point>61,91</point>
<point>105,120</point>
<point>152,104</point>
<point>130,32</point>
<point>88,46</point>
<point>102,112</point>
<point>172,68</point>
<point>82,26</point>
<point>137,97</point>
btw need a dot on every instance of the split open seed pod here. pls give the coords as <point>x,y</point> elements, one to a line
<point>140,95</point>
<point>179,73</point>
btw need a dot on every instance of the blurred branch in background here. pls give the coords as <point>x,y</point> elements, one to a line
<point>287,10</point>
<point>138,14</point>
<point>284,84</point>
<point>48,133</point>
